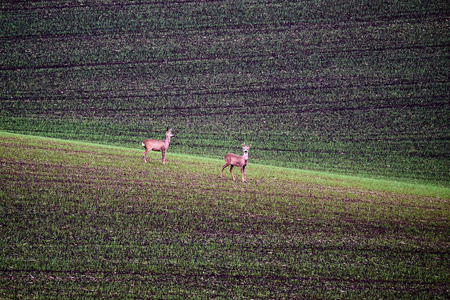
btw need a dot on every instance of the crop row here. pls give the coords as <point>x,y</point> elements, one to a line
<point>307,85</point>
<point>104,18</point>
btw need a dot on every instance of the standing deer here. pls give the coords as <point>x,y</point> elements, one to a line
<point>238,161</point>
<point>158,145</point>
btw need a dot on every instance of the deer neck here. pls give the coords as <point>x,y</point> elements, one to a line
<point>167,141</point>
<point>245,156</point>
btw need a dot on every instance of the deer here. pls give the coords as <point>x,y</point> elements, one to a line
<point>234,160</point>
<point>158,145</point>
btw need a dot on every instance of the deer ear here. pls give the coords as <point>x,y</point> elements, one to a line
<point>249,146</point>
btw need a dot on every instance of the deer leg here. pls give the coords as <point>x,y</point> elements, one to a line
<point>163,153</point>
<point>244,179</point>
<point>231,172</point>
<point>146,151</point>
<point>224,166</point>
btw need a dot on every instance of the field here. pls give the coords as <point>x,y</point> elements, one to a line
<point>345,104</point>
<point>352,87</point>
<point>84,220</point>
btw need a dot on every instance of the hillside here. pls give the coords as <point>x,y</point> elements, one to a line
<point>353,87</point>
<point>81,220</point>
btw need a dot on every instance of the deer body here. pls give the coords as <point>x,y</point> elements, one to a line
<point>158,145</point>
<point>234,160</point>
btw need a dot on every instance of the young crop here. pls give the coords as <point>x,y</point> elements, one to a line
<point>310,89</point>
<point>92,218</point>
<point>359,89</point>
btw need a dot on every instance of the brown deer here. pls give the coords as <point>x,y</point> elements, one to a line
<point>238,161</point>
<point>158,145</point>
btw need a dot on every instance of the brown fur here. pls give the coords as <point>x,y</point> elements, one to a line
<point>158,145</point>
<point>233,160</point>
